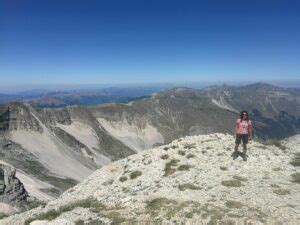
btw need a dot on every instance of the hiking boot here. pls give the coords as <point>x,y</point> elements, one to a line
<point>244,156</point>
<point>234,155</point>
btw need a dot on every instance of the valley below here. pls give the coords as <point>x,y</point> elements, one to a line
<point>54,149</point>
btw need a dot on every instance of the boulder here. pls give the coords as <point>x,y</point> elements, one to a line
<point>12,190</point>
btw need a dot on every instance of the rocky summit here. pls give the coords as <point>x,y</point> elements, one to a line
<point>192,180</point>
<point>12,191</point>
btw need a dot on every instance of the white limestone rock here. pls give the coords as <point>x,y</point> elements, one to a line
<point>192,179</point>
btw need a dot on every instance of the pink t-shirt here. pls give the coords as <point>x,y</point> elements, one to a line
<point>243,126</point>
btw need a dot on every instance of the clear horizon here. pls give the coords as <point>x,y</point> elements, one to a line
<point>124,42</point>
<point>16,89</point>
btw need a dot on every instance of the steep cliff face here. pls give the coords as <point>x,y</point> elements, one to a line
<point>20,117</point>
<point>58,147</point>
<point>12,190</point>
<point>13,195</point>
<point>191,180</point>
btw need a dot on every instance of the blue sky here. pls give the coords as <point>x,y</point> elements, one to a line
<point>88,42</point>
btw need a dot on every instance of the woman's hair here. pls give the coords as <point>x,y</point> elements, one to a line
<point>241,115</point>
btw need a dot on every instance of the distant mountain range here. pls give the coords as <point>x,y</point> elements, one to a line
<point>55,99</point>
<point>55,148</point>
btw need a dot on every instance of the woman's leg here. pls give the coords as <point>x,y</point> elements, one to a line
<point>245,142</point>
<point>244,156</point>
<point>235,154</point>
<point>244,148</point>
<point>236,147</point>
<point>237,142</point>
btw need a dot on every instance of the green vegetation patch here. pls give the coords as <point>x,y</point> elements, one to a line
<point>184,167</point>
<point>189,146</point>
<point>168,209</point>
<point>296,160</point>
<point>158,203</point>
<point>115,217</point>
<point>183,187</point>
<point>234,204</point>
<point>232,183</point>
<point>164,208</point>
<point>169,168</point>
<point>240,178</point>
<point>223,167</point>
<point>214,213</point>
<point>166,148</point>
<point>35,203</point>
<point>296,178</point>
<point>190,155</point>
<point>2,215</point>
<point>52,214</point>
<point>93,222</point>
<point>259,214</point>
<point>135,174</point>
<point>165,156</point>
<point>123,178</point>
<point>275,186</point>
<point>125,189</point>
<point>181,152</point>
<point>275,142</point>
<point>189,215</point>
<point>208,140</point>
<point>281,191</point>
<point>108,182</point>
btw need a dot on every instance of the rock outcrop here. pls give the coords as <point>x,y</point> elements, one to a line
<point>54,149</point>
<point>12,191</point>
<point>191,180</point>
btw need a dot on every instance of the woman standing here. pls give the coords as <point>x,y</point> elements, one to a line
<point>243,131</point>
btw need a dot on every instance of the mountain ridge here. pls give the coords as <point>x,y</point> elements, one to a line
<point>93,136</point>
<point>192,179</point>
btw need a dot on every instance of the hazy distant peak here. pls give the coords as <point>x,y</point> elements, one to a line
<point>260,85</point>
<point>177,91</point>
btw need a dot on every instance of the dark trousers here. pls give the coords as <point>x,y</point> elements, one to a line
<point>241,137</point>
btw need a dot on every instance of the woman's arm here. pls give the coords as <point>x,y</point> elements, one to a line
<point>236,127</point>
<point>250,131</point>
